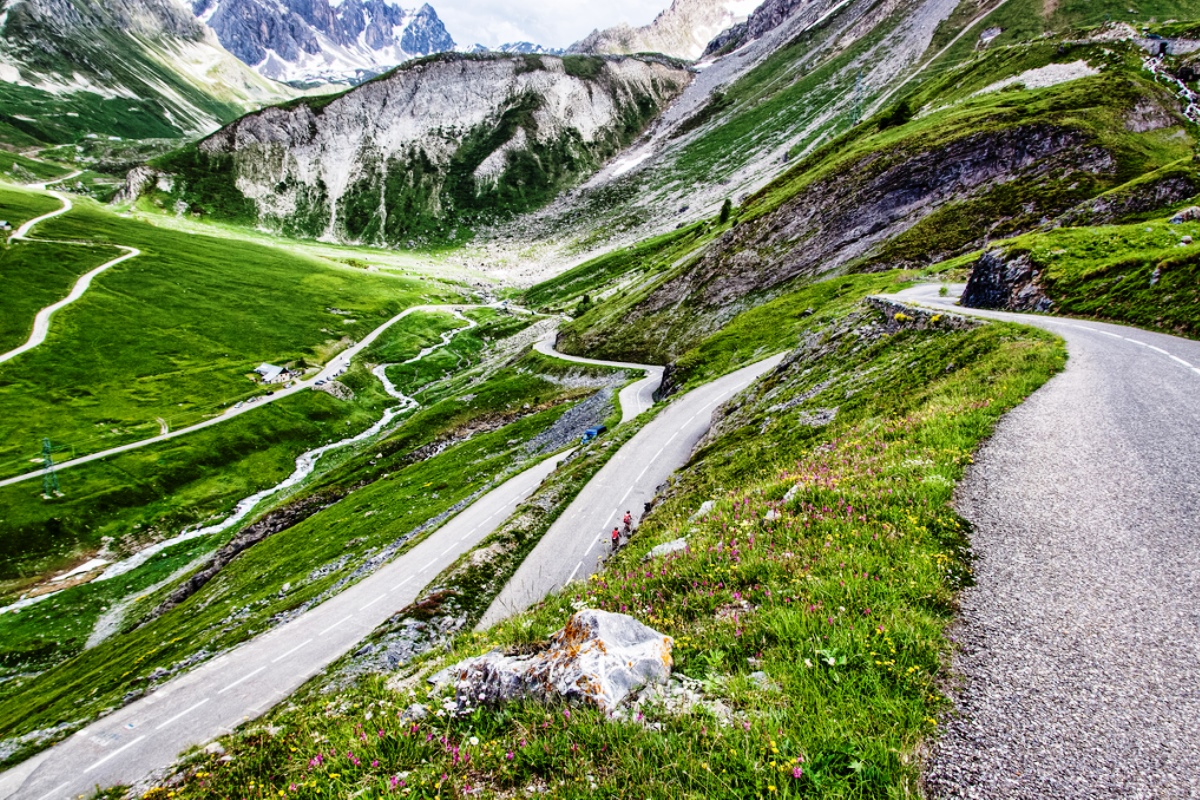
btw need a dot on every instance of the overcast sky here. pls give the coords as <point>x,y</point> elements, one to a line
<point>551,23</point>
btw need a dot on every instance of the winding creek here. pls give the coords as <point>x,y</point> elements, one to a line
<point>306,464</point>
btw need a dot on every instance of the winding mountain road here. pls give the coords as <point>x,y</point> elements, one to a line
<point>194,708</point>
<point>1080,653</point>
<point>635,398</point>
<point>573,546</point>
<point>148,734</point>
<point>41,322</point>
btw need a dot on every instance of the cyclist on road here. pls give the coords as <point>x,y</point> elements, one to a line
<point>616,539</point>
<point>628,523</point>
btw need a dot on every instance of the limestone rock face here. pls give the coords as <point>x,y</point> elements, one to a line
<point>412,155</point>
<point>599,658</point>
<point>683,30</point>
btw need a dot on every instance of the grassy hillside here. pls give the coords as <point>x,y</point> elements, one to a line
<point>34,275</point>
<point>440,456</point>
<point>196,314</point>
<point>21,169</point>
<point>20,205</point>
<point>125,502</point>
<point>957,169</point>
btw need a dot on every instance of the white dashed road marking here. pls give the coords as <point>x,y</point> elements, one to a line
<point>290,652</point>
<point>334,625</point>
<point>241,680</point>
<point>181,714</point>
<point>114,753</point>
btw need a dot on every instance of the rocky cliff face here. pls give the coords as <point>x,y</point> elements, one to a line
<point>430,149</point>
<point>316,41</point>
<point>163,72</point>
<point>846,215</point>
<point>683,30</point>
<point>1005,282</point>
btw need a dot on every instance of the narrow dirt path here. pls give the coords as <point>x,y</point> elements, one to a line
<point>336,366</point>
<point>41,322</point>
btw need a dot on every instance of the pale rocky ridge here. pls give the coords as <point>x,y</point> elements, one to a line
<point>318,42</point>
<point>683,30</point>
<point>374,164</point>
<point>654,202</point>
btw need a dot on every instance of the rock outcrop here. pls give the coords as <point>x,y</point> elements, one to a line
<point>599,658</point>
<point>435,145</point>
<point>766,18</point>
<point>1005,282</point>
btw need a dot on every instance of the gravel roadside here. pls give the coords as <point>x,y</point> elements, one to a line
<point>1079,661</point>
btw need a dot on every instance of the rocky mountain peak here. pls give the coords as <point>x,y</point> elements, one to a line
<point>319,41</point>
<point>683,30</point>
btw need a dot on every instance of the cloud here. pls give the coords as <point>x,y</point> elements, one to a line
<point>557,23</point>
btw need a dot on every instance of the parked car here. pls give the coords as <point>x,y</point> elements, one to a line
<point>592,433</point>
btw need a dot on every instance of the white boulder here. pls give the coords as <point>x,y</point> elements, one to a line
<point>667,548</point>
<point>598,658</point>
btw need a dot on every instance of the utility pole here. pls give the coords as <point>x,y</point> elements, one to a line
<point>50,488</point>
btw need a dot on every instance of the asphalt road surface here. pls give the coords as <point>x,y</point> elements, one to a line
<point>636,397</point>
<point>571,549</point>
<point>148,734</point>
<point>1080,642</point>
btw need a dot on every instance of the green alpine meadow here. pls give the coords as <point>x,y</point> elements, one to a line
<point>711,400</point>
